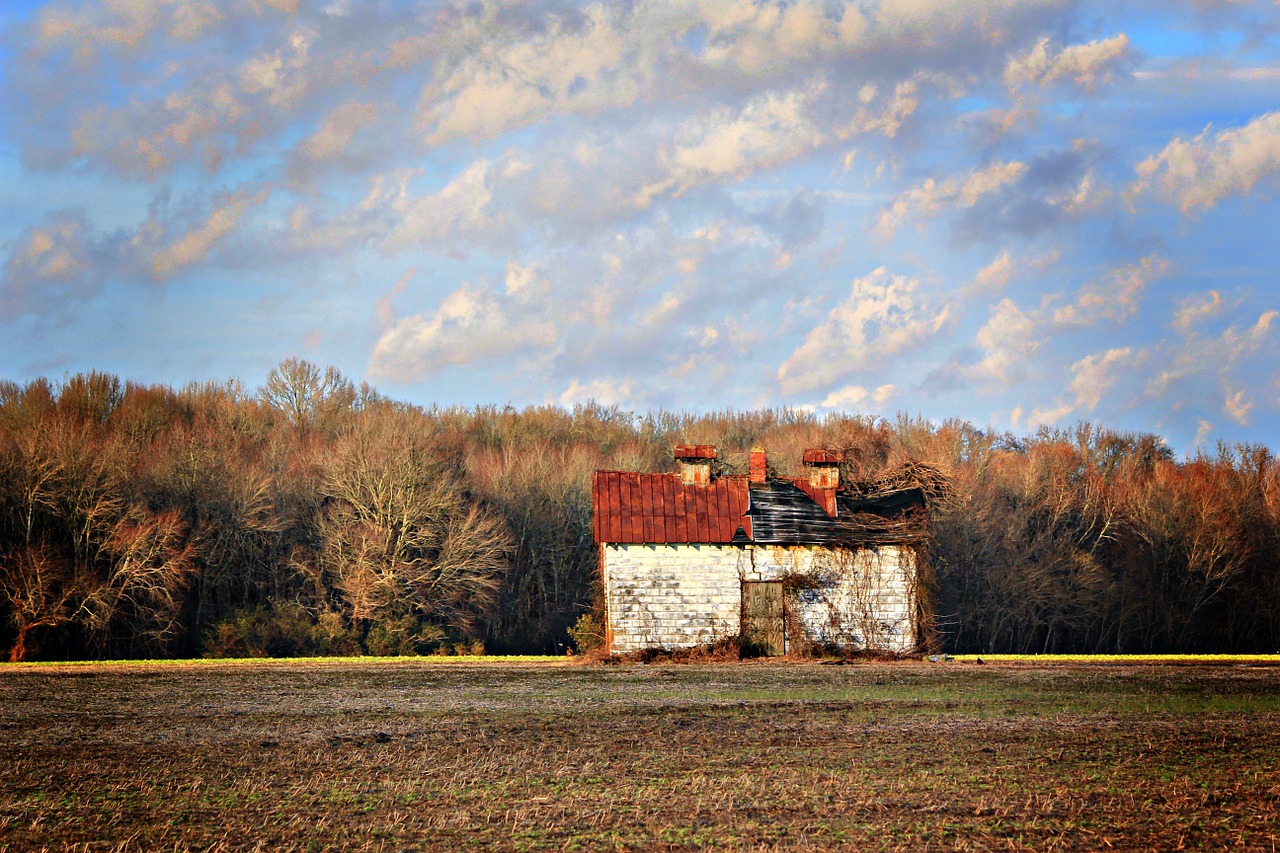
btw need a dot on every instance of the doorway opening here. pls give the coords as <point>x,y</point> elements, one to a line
<point>764,618</point>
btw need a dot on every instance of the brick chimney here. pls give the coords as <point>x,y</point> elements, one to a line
<point>823,468</point>
<point>759,466</point>
<point>694,461</point>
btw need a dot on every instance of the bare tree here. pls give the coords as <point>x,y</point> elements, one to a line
<point>90,397</point>
<point>543,490</point>
<point>146,574</point>
<point>40,591</point>
<point>399,535</point>
<point>308,397</point>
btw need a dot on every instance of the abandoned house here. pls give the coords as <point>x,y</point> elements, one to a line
<point>691,558</point>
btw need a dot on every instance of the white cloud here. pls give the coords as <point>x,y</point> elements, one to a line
<point>883,316</point>
<point>93,28</point>
<point>985,15</point>
<point>1236,344</point>
<point>509,83</point>
<point>763,37</point>
<point>192,19</point>
<point>384,306</point>
<point>52,252</point>
<point>1238,406</point>
<point>932,196</point>
<point>995,276</point>
<point>1008,339</point>
<point>879,117</point>
<point>525,282</point>
<point>157,86</point>
<point>459,208</point>
<point>854,397</point>
<point>66,258</point>
<point>337,130</point>
<point>1084,197</point>
<point>1092,376</point>
<point>163,255</point>
<point>470,326</point>
<point>1050,414</point>
<point>604,391</point>
<point>1194,310</point>
<point>998,124</point>
<point>281,76</point>
<point>768,131</point>
<point>1085,65</point>
<point>1204,171</point>
<point>48,264</point>
<point>1221,356</point>
<point>1203,430</point>
<point>1114,299</point>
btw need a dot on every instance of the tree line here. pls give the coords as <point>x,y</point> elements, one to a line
<point>314,516</point>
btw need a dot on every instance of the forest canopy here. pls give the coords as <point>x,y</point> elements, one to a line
<point>314,516</point>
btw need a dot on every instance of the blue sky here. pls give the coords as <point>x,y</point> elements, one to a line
<point>1017,213</point>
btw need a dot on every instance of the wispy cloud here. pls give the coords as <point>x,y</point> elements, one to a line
<point>472,325</point>
<point>1202,172</point>
<point>856,398</point>
<point>1085,65</point>
<point>1113,299</point>
<point>767,132</point>
<point>958,192</point>
<point>49,264</point>
<point>162,252</point>
<point>1007,340</point>
<point>1091,377</point>
<point>883,315</point>
<point>1194,310</point>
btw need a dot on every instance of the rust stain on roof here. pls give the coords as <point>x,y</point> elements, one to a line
<point>695,451</point>
<point>825,498</point>
<point>638,508</point>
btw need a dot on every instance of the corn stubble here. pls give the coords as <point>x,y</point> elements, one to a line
<point>746,756</point>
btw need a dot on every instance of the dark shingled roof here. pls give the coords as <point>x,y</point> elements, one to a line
<point>785,513</point>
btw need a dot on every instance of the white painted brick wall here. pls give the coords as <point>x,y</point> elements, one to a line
<point>678,596</point>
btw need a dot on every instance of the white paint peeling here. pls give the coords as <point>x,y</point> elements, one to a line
<point>680,596</point>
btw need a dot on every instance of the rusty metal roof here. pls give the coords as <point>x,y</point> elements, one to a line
<point>694,451</point>
<point>825,498</point>
<point>659,508</point>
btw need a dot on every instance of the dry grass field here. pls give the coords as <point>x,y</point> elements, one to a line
<point>423,755</point>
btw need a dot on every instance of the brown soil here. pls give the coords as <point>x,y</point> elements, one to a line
<point>758,755</point>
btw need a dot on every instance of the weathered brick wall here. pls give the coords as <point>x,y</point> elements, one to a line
<point>864,599</point>
<point>677,596</point>
<point>672,596</point>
